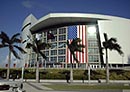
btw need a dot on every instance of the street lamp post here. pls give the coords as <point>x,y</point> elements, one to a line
<point>88,73</point>
<point>123,60</point>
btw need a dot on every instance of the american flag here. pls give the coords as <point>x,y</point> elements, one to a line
<point>78,31</point>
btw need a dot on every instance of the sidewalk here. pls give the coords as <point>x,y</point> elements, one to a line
<point>32,86</point>
<point>35,87</point>
<point>79,81</point>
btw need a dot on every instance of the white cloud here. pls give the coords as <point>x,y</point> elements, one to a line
<point>37,5</point>
<point>28,4</point>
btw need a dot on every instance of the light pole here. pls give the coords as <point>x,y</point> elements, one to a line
<point>122,60</point>
<point>88,73</point>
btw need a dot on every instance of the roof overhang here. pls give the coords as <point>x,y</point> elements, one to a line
<point>55,20</point>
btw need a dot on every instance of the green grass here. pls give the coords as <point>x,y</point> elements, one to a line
<point>86,86</point>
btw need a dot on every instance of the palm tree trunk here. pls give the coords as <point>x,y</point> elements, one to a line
<point>71,73</point>
<point>107,67</point>
<point>8,69</point>
<point>37,70</point>
<point>71,70</point>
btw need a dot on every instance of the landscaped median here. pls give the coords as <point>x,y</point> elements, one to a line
<point>73,86</point>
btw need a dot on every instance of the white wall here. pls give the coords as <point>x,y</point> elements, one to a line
<point>26,31</point>
<point>120,29</point>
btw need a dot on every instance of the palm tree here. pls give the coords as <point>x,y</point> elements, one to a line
<point>74,46</point>
<point>37,46</point>
<point>11,44</point>
<point>110,44</point>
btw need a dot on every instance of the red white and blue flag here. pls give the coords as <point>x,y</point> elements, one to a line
<point>78,31</point>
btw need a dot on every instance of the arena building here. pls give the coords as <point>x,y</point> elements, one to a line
<point>67,26</point>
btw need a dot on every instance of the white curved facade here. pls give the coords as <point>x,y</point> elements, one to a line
<point>28,22</point>
<point>114,26</point>
<point>119,28</point>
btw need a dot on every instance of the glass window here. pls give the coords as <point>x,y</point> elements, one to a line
<point>62,45</point>
<point>53,45</point>
<point>61,59</point>
<point>33,55</point>
<point>62,30</point>
<point>93,51</point>
<point>93,58</point>
<point>54,31</point>
<point>62,37</point>
<point>92,31</point>
<point>55,39</point>
<point>61,52</point>
<point>53,59</point>
<point>32,62</point>
<point>47,59</point>
<point>46,53</point>
<point>53,52</point>
<point>92,43</point>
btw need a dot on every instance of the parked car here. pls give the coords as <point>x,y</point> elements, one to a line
<point>11,86</point>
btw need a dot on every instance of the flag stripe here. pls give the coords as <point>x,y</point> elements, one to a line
<point>86,45</point>
<point>78,31</point>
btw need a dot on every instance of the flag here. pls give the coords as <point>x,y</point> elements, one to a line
<point>78,31</point>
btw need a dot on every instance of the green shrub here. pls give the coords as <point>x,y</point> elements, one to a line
<point>60,74</point>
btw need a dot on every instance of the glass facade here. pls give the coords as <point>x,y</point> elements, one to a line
<point>57,53</point>
<point>93,48</point>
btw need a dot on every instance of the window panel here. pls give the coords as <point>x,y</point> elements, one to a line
<point>62,45</point>
<point>53,59</point>
<point>54,31</point>
<point>53,52</point>
<point>62,30</point>
<point>62,37</point>
<point>61,58</point>
<point>61,52</point>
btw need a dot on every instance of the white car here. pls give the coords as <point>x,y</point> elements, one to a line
<point>11,86</point>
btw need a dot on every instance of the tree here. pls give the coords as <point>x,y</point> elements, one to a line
<point>37,46</point>
<point>11,44</point>
<point>110,44</point>
<point>74,46</point>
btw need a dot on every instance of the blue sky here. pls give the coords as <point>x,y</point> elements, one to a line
<point>13,12</point>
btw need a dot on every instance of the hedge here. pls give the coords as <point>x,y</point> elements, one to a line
<point>78,74</point>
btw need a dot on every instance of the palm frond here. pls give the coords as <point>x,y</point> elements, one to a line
<point>3,45</point>
<point>74,56</point>
<point>43,55</point>
<point>79,50</point>
<point>20,49</point>
<point>75,46</point>
<point>112,40</point>
<point>67,42</point>
<point>15,54</point>
<point>75,41</point>
<point>112,44</point>
<point>16,40</point>
<point>117,47</point>
<point>105,37</point>
<point>29,45</point>
<point>80,45</point>
<point>24,41</point>
<point>15,36</point>
<point>4,37</point>
<point>105,44</point>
